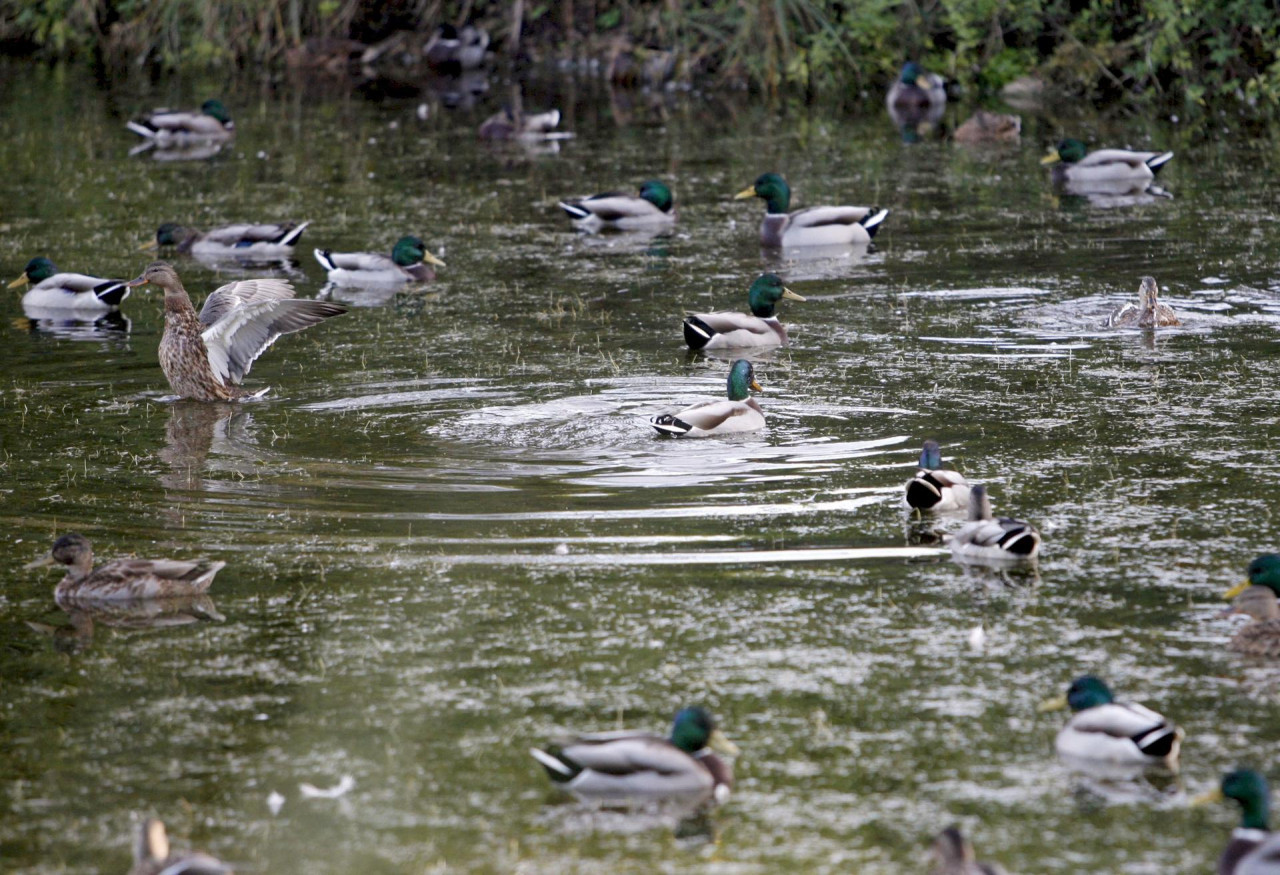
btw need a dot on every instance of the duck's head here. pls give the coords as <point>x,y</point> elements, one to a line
<point>695,728</point>
<point>910,74</point>
<point>765,294</point>
<point>1249,789</point>
<point>655,191</point>
<point>1068,150</point>
<point>1148,292</point>
<point>742,378</point>
<point>931,456</point>
<point>169,234</point>
<point>1258,602</point>
<point>979,504</point>
<point>1085,692</point>
<point>409,251</point>
<point>951,850</point>
<point>152,845</point>
<point>72,549</point>
<point>1264,570</point>
<point>158,273</point>
<point>772,188</point>
<point>217,110</point>
<point>37,270</point>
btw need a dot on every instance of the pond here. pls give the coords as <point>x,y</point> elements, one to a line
<point>451,533</point>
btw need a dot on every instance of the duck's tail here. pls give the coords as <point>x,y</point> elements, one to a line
<point>1159,161</point>
<point>668,424</point>
<point>1024,541</point>
<point>923,493</point>
<point>141,130</point>
<point>576,211</point>
<point>1161,742</point>
<point>558,768</point>
<point>291,236</point>
<point>697,333</point>
<point>873,220</point>
<point>112,292</point>
<point>324,257</point>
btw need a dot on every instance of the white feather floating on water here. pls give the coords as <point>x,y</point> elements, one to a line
<point>342,788</point>
<point>275,802</point>
<point>977,638</point>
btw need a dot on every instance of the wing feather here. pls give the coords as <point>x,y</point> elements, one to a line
<point>371,261</point>
<point>622,756</point>
<point>819,216</point>
<point>1117,719</point>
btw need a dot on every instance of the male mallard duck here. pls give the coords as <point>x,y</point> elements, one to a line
<point>1252,850</point>
<point>916,89</point>
<point>205,357</point>
<point>740,413</point>
<point>633,764</point>
<point>738,330</point>
<point>1261,637</point>
<point>1148,312</point>
<point>625,212</point>
<point>152,855</point>
<point>405,264</point>
<point>165,126</point>
<point>989,127</point>
<point>988,537</point>
<point>67,291</point>
<point>231,241</point>
<point>933,488</point>
<point>952,854</point>
<point>1105,730</point>
<point>1105,165</point>
<point>812,226</point>
<point>452,51</point>
<point>123,578</point>
<point>1264,570</point>
<point>508,123</point>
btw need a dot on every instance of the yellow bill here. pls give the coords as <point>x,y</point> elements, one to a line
<point>431,259</point>
<point>1205,798</point>
<point>749,191</point>
<point>20,281</point>
<point>1236,590</point>
<point>149,245</point>
<point>787,293</point>
<point>1057,703</point>
<point>1052,158</point>
<point>720,743</point>
<point>755,385</point>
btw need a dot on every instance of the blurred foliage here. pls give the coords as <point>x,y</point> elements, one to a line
<point>1173,52</point>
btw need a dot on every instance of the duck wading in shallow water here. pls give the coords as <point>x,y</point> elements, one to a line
<point>170,127</point>
<point>1148,312</point>
<point>68,291</point>
<point>1104,730</point>
<point>812,226</point>
<point>952,854</point>
<point>638,765</point>
<point>740,413</point>
<point>654,206</point>
<point>760,329</point>
<point>265,241</point>
<point>123,578</point>
<point>407,263</point>
<point>934,489</point>
<point>153,856</point>
<point>205,356</point>
<point>988,538</point>
<point>1071,163</point>
<point>1252,849</point>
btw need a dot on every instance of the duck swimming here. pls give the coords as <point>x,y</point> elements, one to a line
<point>933,488</point>
<point>813,226</point>
<point>1072,163</point>
<point>1148,312</point>
<point>171,127</point>
<point>407,263</point>
<point>952,854</point>
<point>68,291</point>
<point>760,329</point>
<point>654,206</point>
<point>123,578</point>
<point>740,413</point>
<point>260,241</point>
<point>1105,730</point>
<point>986,537</point>
<point>1252,849</point>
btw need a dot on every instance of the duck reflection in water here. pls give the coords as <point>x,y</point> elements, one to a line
<point>189,437</point>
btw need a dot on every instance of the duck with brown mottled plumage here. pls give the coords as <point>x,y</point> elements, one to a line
<point>153,856</point>
<point>953,854</point>
<point>123,579</point>
<point>205,355</point>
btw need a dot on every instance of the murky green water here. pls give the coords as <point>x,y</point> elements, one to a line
<point>396,606</point>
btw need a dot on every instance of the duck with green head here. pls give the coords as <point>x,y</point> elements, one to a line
<point>51,290</point>
<point>654,207</point>
<point>812,226</point>
<point>246,242</point>
<point>407,263</point>
<point>759,330</point>
<point>991,539</point>
<point>637,765</point>
<point>916,89</point>
<point>1256,597</point>
<point>1105,730</point>
<point>739,413</point>
<point>935,489</point>
<point>1252,849</point>
<point>1264,570</point>
<point>1072,163</point>
<point>169,127</point>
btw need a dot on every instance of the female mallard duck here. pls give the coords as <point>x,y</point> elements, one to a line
<point>1071,163</point>
<point>633,764</point>
<point>1261,637</point>
<point>405,264</point>
<point>68,291</point>
<point>933,488</point>
<point>1105,730</point>
<point>989,127</point>
<point>1252,850</point>
<point>205,356</point>
<point>1148,312</point>
<point>263,241</point>
<point>210,122</point>
<point>916,90</point>
<point>739,414</point>
<point>953,854</point>
<point>123,578</point>
<point>738,330</point>
<point>153,856</point>
<point>813,226</point>
<point>508,123</point>
<point>624,211</point>
<point>451,50</point>
<point>985,537</point>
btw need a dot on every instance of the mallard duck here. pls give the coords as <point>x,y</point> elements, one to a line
<point>633,764</point>
<point>210,122</point>
<point>1264,570</point>
<point>205,356</point>
<point>123,578</point>
<point>916,89</point>
<point>68,291</point>
<point>738,330</point>
<point>1105,730</point>
<point>1148,312</point>
<point>989,127</point>
<point>405,264</point>
<point>988,537</point>
<point>1252,850</point>
<point>1261,637</point>
<point>1071,163</point>
<point>153,856</point>
<point>740,413</point>
<point>263,241</point>
<point>933,488</point>
<point>952,854</point>
<point>813,226</point>
<point>508,123</point>
<point>626,212</point>
<point>451,50</point>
